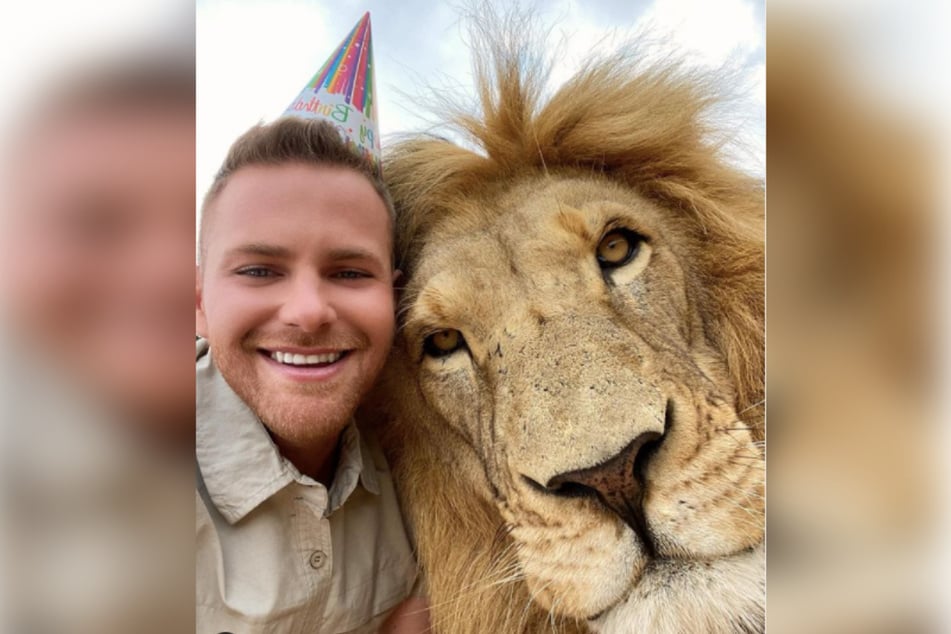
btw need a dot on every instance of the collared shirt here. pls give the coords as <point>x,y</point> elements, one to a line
<point>277,551</point>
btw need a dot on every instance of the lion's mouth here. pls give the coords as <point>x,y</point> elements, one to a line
<point>660,571</point>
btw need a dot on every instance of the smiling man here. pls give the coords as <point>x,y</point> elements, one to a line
<point>298,523</point>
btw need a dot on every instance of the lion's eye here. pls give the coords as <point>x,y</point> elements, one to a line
<point>443,342</point>
<point>617,248</point>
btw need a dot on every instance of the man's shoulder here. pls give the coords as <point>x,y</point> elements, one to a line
<point>237,461</point>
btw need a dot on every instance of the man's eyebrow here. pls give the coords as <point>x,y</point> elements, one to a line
<point>258,248</point>
<point>351,253</point>
<point>275,251</point>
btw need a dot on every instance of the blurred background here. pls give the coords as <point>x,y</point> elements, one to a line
<point>856,314</point>
<point>98,160</point>
<point>97,191</point>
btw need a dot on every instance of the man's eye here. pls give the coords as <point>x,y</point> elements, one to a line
<point>256,271</point>
<point>351,274</point>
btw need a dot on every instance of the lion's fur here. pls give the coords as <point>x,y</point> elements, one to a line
<point>640,126</point>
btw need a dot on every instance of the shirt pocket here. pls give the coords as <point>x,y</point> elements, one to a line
<point>363,607</point>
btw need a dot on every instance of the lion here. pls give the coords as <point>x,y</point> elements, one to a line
<point>573,409</point>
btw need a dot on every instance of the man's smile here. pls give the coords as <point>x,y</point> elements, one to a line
<point>306,365</point>
<point>311,359</point>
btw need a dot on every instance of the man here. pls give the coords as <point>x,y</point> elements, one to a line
<point>298,523</point>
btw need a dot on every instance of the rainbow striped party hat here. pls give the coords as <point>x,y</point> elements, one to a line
<point>344,92</point>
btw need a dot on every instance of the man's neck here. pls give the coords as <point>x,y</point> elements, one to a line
<point>315,459</point>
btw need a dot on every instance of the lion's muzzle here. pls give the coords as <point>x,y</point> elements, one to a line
<point>618,482</point>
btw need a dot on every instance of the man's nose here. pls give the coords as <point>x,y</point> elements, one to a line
<point>308,305</point>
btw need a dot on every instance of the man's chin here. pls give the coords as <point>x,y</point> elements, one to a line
<point>303,416</point>
<point>725,596</point>
<point>297,410</point>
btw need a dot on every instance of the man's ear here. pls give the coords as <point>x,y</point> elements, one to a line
<point>201,321</point>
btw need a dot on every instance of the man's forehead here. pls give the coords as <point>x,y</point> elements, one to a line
<point>300,178</point>
<point>310,195</point>
<point>282,240</point>
<point>252,199</point>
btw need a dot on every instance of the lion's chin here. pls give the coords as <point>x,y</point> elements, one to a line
<point>723,596</point>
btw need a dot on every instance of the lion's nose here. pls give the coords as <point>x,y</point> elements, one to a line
<point>618,482</point>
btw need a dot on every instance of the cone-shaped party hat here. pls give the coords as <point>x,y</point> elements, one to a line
<point>344,92</point>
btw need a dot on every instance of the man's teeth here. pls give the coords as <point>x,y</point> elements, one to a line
<point>305,359</point>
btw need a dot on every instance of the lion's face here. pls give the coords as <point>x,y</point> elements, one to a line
<point>561,340</point>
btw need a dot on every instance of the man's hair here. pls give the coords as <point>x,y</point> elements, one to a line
<point>290,140</point>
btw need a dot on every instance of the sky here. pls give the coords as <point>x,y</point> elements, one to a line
<point>255,56</point>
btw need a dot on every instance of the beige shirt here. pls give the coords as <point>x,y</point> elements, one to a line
<point>277,552</point>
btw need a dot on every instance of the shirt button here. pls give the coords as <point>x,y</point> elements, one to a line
<point>317,559</point>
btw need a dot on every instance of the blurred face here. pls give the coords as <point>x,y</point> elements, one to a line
<point>100,241</point>
<point>295,294</point>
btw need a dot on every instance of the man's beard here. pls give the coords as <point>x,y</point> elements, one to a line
<point>299,413</point>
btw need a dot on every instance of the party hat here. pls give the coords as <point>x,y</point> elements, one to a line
<point>344,92</point>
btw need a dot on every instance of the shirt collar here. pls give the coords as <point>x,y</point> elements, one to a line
<point>354,464</point>
<point>239,462</point>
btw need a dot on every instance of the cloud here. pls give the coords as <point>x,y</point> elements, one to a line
<point>710,33</point>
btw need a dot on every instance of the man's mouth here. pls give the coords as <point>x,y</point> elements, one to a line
<point>307,360</point>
